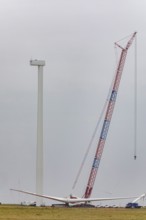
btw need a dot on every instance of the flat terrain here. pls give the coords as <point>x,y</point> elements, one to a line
<point>48,213</point>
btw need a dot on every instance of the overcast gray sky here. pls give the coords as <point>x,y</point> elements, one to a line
<point>76,39</point>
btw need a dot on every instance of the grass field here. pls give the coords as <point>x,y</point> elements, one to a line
<point>48,213</point>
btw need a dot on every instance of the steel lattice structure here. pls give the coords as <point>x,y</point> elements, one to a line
<point>108,117</point>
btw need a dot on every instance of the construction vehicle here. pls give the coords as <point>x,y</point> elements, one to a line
<point>135,204</point>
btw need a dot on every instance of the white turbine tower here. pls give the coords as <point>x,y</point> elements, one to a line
<point>39,152</point>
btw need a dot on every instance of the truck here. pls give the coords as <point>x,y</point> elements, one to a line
<point>132,205</point>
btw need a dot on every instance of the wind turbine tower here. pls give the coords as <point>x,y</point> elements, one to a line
<point>39,152</point>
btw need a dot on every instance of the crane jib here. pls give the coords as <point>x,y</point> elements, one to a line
<point>108,116</point>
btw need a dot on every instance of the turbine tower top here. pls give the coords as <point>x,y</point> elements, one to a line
<point>37,62</point>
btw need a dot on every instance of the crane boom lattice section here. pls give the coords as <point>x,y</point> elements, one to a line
<point>107,120</point>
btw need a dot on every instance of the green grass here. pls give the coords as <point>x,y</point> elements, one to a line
<point>9,212</point>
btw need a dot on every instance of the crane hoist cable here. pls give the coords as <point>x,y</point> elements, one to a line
<point>135,101</point>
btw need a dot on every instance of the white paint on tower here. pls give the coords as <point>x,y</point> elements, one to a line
<point>39,151</point>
